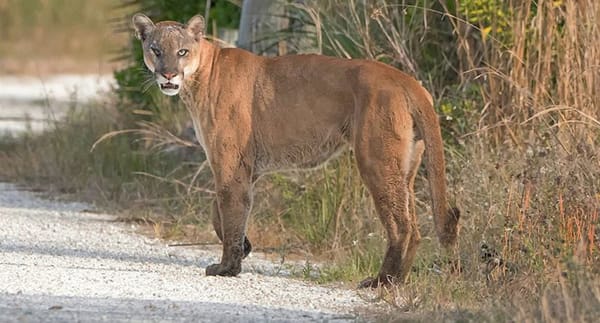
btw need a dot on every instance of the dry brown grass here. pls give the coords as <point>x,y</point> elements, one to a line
<point>524,171</point>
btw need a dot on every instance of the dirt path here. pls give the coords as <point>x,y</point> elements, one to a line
<point>61,263</point>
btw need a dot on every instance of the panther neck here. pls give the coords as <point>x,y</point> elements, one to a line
<point>196,86</point>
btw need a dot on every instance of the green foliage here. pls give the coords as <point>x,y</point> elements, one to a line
<point>329,213</point>
<point>491,16</point>
<point>225,13</point>
<point>458,109</point>
<point>356,263</point>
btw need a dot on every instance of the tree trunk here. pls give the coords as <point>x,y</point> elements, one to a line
<point>259,24</point>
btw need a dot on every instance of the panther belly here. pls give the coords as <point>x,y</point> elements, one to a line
<point>302,157</point>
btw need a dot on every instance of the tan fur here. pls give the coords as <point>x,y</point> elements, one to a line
<point>255,115</point>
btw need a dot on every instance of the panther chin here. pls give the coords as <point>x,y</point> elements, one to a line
<point>169,88</point>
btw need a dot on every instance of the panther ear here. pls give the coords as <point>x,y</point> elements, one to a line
<point>143,26</point>
<point>196,26</point>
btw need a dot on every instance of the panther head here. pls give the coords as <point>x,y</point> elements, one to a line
<point>170,49</point>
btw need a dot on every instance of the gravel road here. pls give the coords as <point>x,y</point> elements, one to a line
<point>59,262</point>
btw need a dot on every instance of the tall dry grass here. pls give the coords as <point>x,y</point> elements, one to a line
<point>522,125</point>
<point>545,77</point>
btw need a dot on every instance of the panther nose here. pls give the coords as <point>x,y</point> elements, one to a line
<point>169,76</point>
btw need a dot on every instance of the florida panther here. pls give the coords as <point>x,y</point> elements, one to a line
<point>254,115</point>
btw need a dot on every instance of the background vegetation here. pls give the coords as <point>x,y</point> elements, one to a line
<point>58,36</point>
<point>517,84</point>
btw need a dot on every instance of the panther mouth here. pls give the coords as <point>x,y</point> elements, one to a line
<point>169,86</point>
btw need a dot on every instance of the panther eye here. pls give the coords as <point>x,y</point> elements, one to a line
<point>182,52</point>
<point>156,51</point>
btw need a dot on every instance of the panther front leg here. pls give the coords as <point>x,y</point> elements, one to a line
<point>217,225</point>
<point>234,199</point>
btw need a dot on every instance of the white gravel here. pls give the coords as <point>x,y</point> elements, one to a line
<point>60,263</point>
